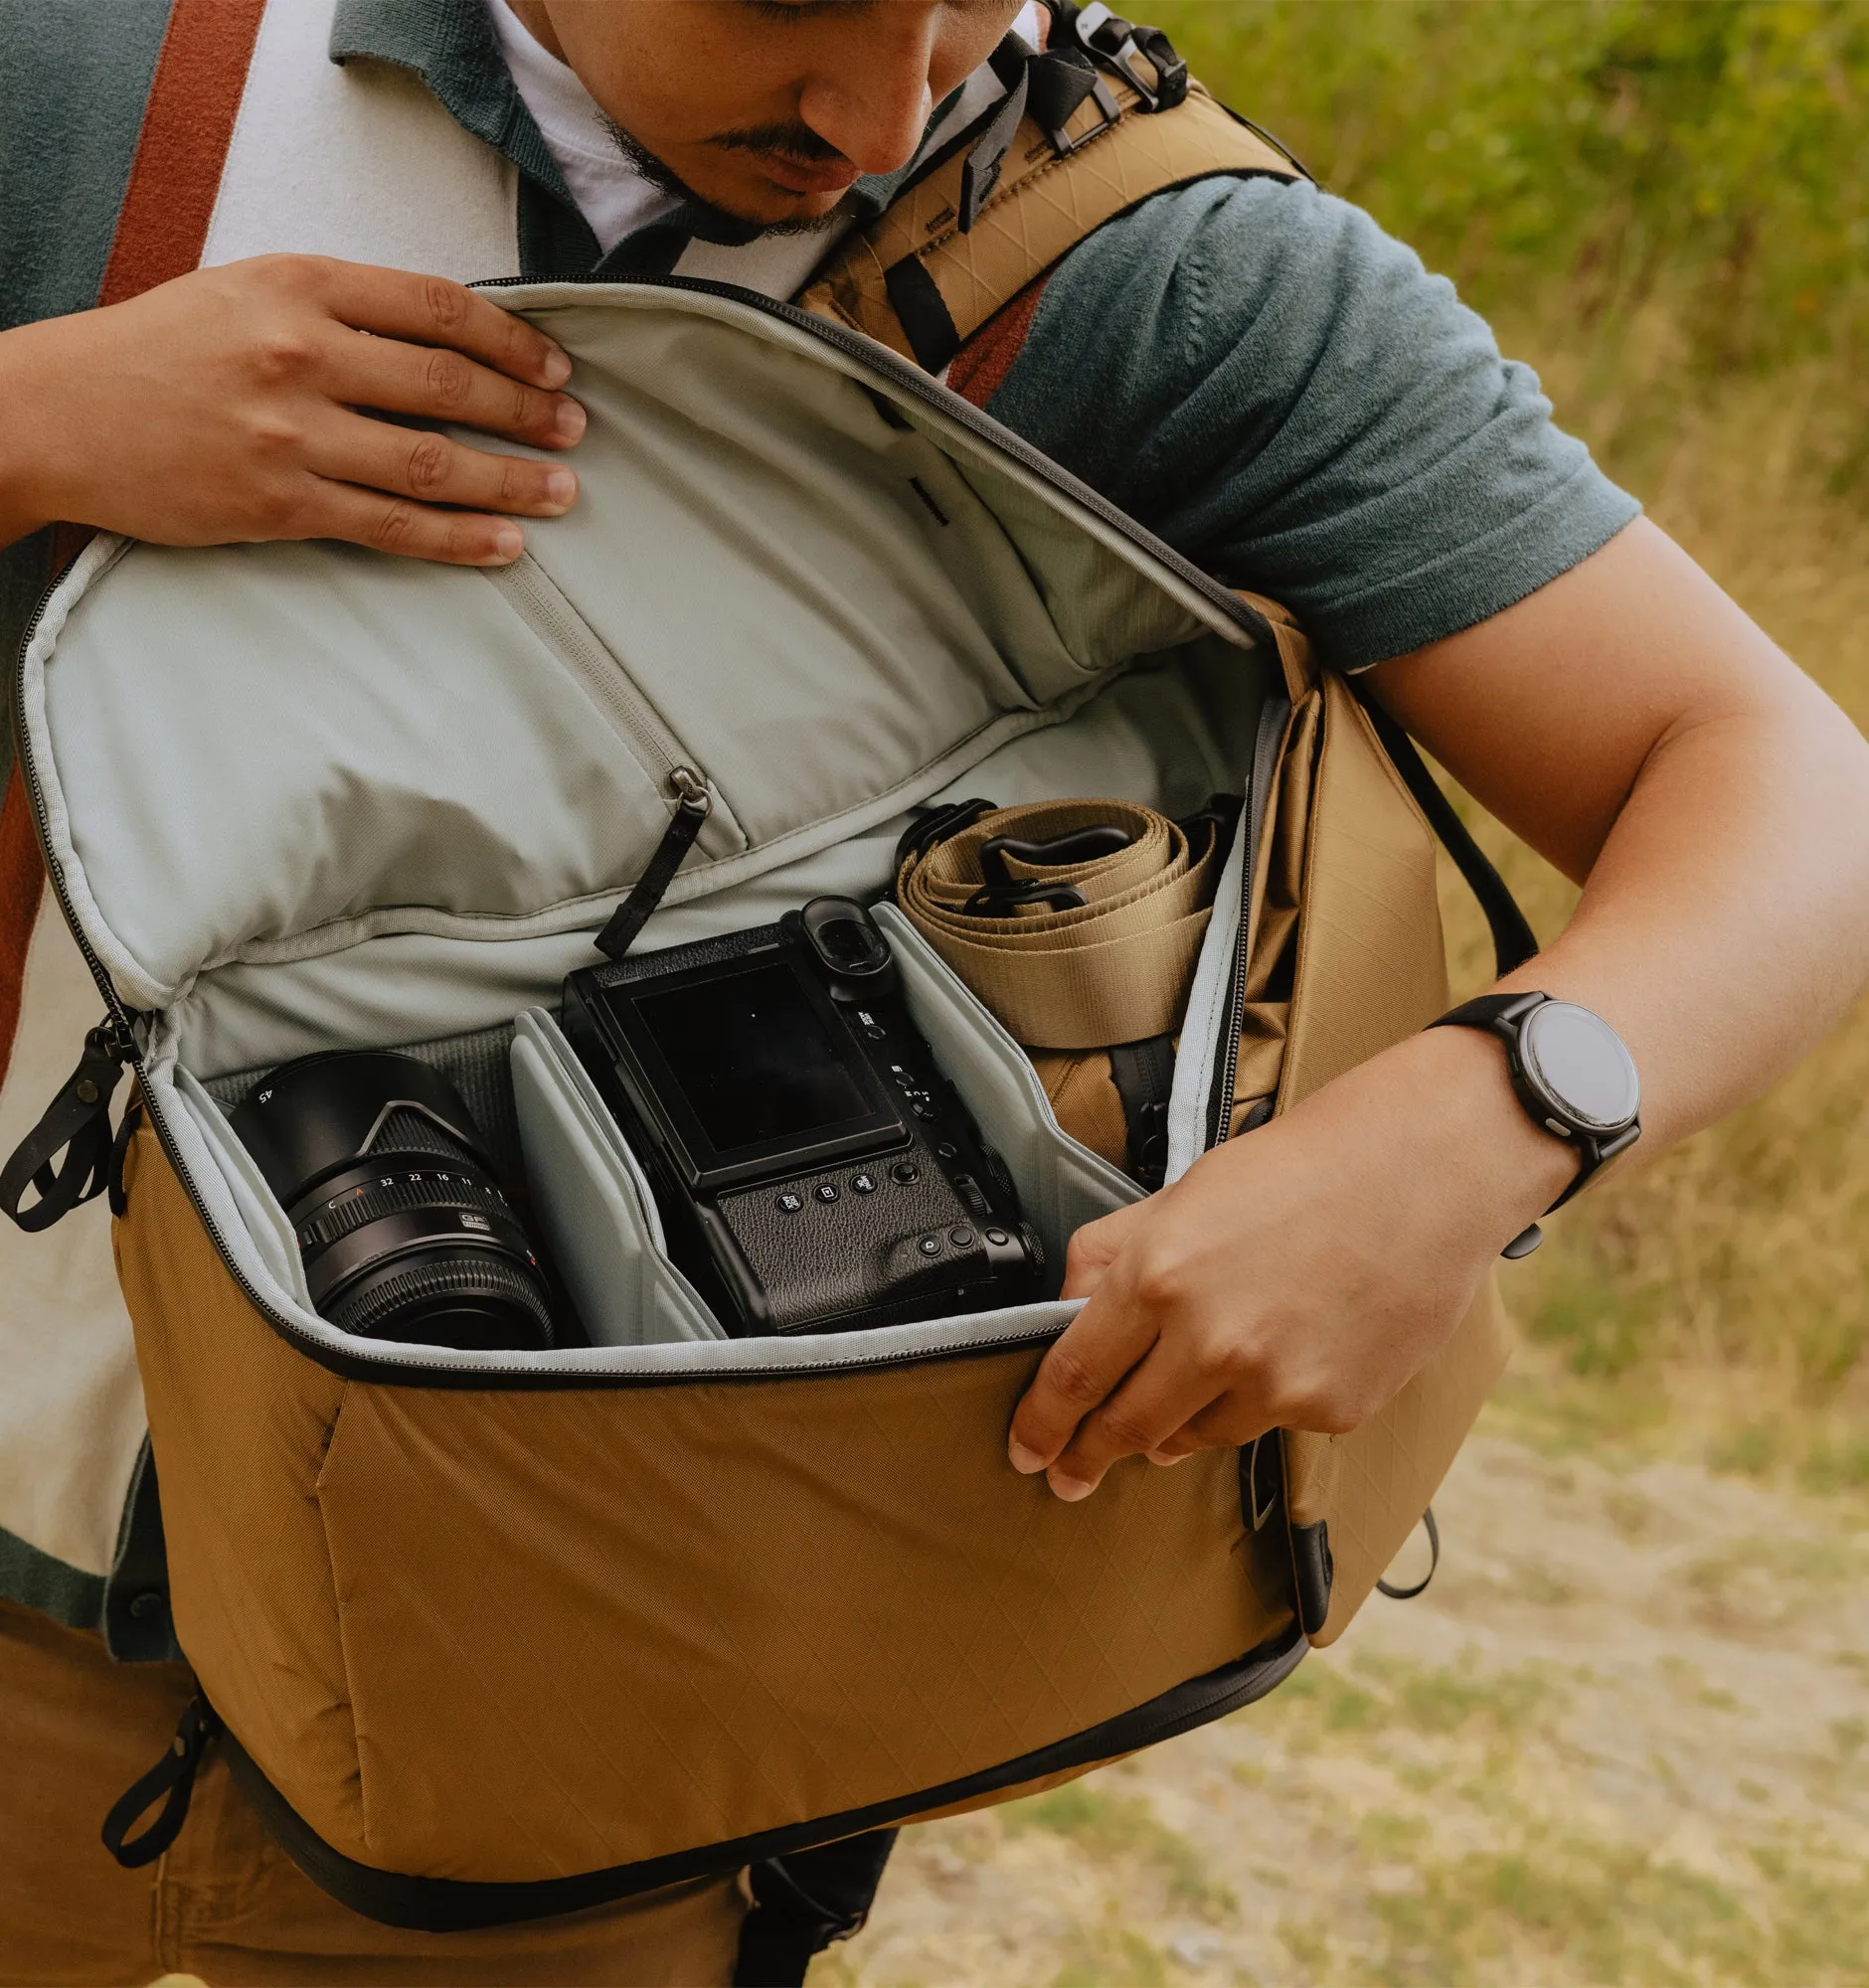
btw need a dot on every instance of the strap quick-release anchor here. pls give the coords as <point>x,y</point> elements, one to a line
<point>77,1124</point>
<point>172,1777</point>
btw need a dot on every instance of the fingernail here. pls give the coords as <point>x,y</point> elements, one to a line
<point>1069,1489</point>
<point>508,543</point>
<point>570,420</point>
<point>556,368</point>
<point>561,488</point>
<point>1027,1462</point>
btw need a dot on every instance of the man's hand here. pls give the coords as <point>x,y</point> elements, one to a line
<point>1297,1277</point>
<point>224,407</point>
<point>1631,724</point>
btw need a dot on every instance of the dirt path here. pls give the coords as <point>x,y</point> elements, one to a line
<point>1623,1739</point>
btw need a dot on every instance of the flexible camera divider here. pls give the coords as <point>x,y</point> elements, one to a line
<point>491,1635</point>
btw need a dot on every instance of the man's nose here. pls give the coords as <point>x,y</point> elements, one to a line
<point>875,111</point>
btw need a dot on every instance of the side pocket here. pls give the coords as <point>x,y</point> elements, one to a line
<point>593,1202</point>
<point>1062,1185</point>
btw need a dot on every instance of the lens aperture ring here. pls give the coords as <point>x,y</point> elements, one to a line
<point>395,1194</point>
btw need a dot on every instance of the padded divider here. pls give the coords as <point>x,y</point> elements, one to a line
<point>592,1201</point>
<point>1062,1185</point>
<point>1206,1013</point>
<point>260,1211</point>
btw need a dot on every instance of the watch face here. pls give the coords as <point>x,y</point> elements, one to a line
<point>1578,1061</point>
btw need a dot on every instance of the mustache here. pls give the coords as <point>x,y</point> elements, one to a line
<point>792,141</point>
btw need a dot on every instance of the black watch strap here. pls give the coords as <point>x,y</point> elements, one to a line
<point>1504,1016</point>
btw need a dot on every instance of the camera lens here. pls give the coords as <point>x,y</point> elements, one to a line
<point>402,1225</point>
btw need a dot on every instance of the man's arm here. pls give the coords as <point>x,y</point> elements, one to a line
<point>1633,724</point>
<point>229,405</point>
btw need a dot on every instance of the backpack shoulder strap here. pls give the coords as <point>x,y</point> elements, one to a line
<point>928,274</point>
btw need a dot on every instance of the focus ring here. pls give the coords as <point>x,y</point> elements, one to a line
<point>483,1275</point>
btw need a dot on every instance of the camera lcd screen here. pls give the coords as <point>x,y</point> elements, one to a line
<point>753,1058</point>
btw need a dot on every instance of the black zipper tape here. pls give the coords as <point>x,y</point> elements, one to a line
<point>451,1904</point>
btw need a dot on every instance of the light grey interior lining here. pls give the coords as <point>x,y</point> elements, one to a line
<point>596,1213</point>
<point>273,752</point>
<point>303,797</point>
<point>1169,732</point>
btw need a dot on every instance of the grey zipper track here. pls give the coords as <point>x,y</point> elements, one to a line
<point>541,604</point>
<point>1272,721</point>
<point>415,1373</point>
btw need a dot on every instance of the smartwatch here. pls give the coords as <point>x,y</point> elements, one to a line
<point>1572,1072</point>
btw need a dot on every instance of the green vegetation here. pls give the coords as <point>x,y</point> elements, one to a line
<point>1108,1826</point>
<point>1663,205</point>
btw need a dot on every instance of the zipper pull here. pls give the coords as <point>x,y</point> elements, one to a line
<point>77,1124</point>
<point>693,806</point>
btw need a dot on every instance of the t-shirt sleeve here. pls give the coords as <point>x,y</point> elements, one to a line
<point>1268,381</point>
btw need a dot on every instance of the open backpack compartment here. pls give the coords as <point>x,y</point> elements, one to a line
<point>498,1634</point>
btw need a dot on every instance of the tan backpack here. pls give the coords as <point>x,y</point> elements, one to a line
<point>491,1636</point>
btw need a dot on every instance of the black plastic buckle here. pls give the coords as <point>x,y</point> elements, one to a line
<point>1007,901</point>
<point>1110,114</point>
<point>1076,845</point>
<point>937,824</point>
<point>1119,45</point>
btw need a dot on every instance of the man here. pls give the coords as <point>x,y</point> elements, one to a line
<point>1249,367</point>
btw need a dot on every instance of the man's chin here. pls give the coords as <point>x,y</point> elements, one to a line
<point>761,203</point>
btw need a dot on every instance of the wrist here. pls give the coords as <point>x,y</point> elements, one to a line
<point>28,500</point>
<point>1512,1169</point>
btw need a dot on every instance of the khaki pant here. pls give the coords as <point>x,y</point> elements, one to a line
<point>225,1903</point>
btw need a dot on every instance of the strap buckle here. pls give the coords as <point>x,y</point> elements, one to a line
<point>1119,46</point>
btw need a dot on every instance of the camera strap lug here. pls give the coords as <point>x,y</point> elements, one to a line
<point>77,1123</point>
<point>693,806</point>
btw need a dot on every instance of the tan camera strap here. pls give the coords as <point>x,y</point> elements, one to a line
<point>1115,968</point>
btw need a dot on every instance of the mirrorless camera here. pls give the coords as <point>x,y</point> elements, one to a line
<point>814,1169</point>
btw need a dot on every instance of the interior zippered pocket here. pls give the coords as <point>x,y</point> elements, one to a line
<point>537,598</point>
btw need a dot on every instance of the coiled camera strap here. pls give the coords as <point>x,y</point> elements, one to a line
<point>1077,922</point>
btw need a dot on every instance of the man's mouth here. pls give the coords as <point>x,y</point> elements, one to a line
<point>797,176</point>
<point>792,157</point>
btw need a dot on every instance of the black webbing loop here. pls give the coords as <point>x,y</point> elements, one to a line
<point>1514,940</point>
<point>174,1776</point>
<point>804,1903</point>
<point>77,1124</point>
<point>979,172</point>
<point>1144,1073</point>
<point>926,322</point>
<point>629,918</point>
<point>1433,1561</point>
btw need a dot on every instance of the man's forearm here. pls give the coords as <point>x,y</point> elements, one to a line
<point>1635,726</point>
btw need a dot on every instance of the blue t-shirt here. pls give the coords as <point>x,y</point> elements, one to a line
<point>1268,381</point>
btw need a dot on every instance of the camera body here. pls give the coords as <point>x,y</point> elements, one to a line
<point>813,1168</point>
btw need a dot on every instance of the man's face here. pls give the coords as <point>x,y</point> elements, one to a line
<point>770,108</point>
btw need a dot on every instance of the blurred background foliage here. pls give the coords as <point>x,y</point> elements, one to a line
<point>1663,205</point>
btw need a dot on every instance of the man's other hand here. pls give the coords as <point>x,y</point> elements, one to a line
<point>235,405</point>
<point>1294,1278</point>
